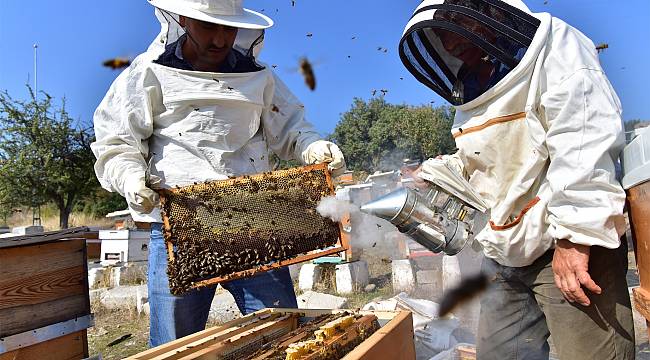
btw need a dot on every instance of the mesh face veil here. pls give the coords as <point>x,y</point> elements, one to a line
<point>248,41</point>
<point>462,48</point>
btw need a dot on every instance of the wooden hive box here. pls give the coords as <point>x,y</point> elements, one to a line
<point>44,299</point>
<point>393,340</point>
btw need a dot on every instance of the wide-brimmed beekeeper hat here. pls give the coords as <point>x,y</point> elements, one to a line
<point>224,12</point>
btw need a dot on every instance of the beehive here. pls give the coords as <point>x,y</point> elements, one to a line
<point>281,334</point>
<point>221,230</point>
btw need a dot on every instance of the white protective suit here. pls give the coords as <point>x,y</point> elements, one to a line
<point>195,126</point>
<point>540,146</point>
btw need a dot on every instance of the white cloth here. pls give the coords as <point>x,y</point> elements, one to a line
<point>540,148</point>
<point>197,126</point>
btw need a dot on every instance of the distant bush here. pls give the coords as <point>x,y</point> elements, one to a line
<point>100,203</point>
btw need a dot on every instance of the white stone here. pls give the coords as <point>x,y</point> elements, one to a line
<point>96,277</point>
<point>432,262</point>
<point>97,294</point>
<point>429,277</point>
<point>370,288</point>
<point>351,277</point>
<point>316,300</point>
<point>146,309</point>
<point>403,276</point>
<point>141,298</point>
<point>223,308</point>
<point>450,272</point>
<point>27,230</point>
<point>123,296</point>
<point>294,271</point>
<point>132,273</point>
<point>309,276</point>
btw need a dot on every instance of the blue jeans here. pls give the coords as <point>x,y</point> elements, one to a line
<point>173,317</point>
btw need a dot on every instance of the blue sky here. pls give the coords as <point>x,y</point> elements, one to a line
<point>75,37</point>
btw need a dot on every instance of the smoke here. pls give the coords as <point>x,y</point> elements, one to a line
<point>365,230</point>
<point>393,160</point>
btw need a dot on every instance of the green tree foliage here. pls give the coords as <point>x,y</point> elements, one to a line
<point>630,125</point>
<point>100,202</point>
<point>376,135</point>
<point>44,157</point>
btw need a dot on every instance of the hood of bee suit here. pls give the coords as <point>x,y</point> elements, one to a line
<point>462,49</point>
<point>247,41</point>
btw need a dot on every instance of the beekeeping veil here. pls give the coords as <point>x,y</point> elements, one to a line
<point>251,24</point>
<point>499,32</point>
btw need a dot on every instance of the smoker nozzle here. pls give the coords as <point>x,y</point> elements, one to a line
<point>410,213</point>
<point>387,207</point>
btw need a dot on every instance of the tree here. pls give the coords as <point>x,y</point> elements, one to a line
<point>377,135</point>
<point>43,156</point>
<point>630,125</point>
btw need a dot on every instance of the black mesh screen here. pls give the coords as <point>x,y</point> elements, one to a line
<point>466,46</point>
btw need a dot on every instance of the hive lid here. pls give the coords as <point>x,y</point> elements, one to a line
<point>636,160</point>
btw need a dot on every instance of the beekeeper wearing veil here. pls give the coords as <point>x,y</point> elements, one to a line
<point>198,106</point>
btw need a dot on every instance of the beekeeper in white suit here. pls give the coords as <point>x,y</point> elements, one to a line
<point>538,129</point>
<point>198,106</point>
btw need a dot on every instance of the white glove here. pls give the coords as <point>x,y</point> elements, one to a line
<point>139,197</point>
<point>322,151</point>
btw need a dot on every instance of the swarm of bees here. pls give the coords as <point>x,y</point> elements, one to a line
<point>117,63</point>
<point>224,227</point>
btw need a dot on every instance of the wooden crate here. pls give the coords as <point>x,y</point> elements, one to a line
<point>394,340</point>
<point>639,204</point>
<point>44,296</point>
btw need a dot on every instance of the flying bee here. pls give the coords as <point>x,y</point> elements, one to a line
<point>465,291</point>
<point>308,73</point>
<point>117,63</point>
<point>601,47</point>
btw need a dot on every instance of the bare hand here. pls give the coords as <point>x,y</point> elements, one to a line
<point>419,182</point>
<point>570,269</point>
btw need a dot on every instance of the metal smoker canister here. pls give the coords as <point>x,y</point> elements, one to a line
<point>636,182</point>
<point>412,214</point>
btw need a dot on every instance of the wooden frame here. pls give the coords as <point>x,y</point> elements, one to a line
<point>393,340</point>
<point>342,245</point>
<point>638,198</point>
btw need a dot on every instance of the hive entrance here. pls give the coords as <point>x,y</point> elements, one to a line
<point>216,230</point>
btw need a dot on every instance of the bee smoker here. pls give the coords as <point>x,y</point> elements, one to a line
<point>435,218</point>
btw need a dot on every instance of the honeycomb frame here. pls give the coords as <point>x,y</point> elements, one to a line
<point>227,229</point>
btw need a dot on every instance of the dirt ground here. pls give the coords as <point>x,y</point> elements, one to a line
<point>114,324</point>
<point>111,325</point>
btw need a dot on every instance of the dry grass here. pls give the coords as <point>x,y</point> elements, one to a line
<point>50,219</point>
<point>113,324</point>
